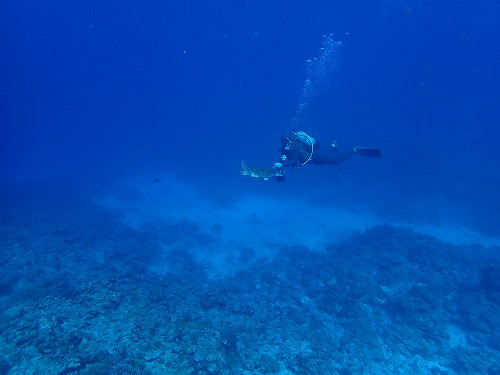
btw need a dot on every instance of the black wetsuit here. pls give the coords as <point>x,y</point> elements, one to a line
<point>299,152</point>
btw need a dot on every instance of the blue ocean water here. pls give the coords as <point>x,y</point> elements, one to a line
<point>131,243</point>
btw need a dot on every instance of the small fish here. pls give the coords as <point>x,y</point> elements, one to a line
<point>264,173</point>
<point>156,180</point>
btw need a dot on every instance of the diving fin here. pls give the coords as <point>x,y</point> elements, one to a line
<point>368,152</point>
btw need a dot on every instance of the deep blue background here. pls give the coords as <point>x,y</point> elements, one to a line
<point>104,89</point>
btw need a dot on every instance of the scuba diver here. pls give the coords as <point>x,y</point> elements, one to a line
<point>298,149</point>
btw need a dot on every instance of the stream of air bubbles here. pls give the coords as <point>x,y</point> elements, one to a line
<point>319,73</point>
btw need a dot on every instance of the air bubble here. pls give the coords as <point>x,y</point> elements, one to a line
<point>319,73</point>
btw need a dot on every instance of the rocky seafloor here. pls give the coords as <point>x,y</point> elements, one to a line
<point>77,297</point>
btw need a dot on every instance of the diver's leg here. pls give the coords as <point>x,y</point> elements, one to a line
<point>333,156</point>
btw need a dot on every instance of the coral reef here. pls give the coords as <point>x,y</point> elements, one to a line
<point>77,298</point>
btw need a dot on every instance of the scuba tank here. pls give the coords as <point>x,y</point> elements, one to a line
<point>305,139</point>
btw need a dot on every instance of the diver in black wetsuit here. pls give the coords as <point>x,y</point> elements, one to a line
<point>299,148</point>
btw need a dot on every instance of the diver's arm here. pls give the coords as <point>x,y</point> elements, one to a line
<point>290,158</point>
<point>290,163</point>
